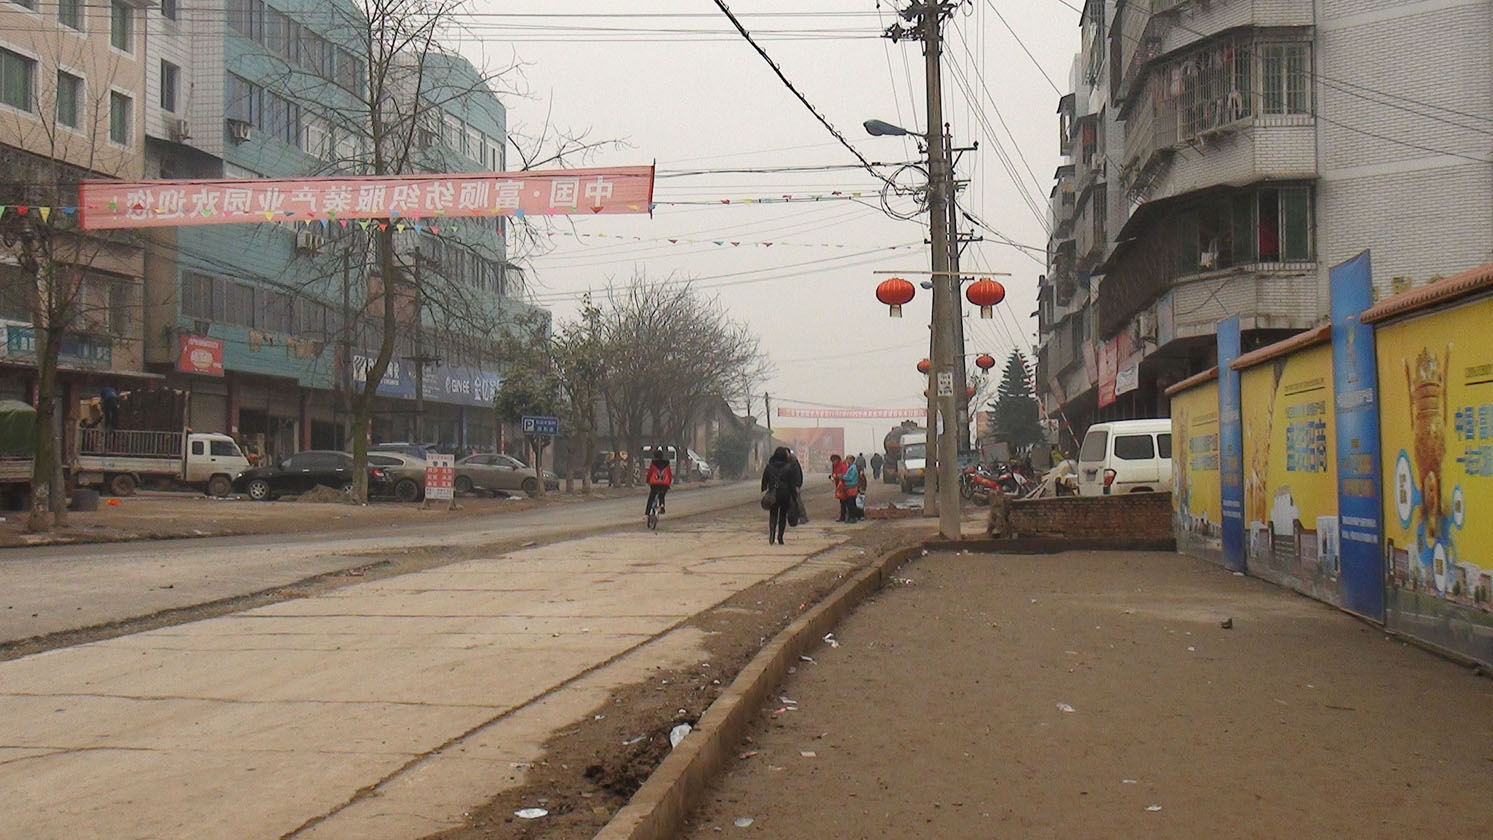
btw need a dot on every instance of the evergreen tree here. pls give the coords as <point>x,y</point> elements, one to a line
<point>1017,419</point>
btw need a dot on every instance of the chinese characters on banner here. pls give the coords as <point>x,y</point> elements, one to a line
<point>106,205</point>
<point>1230,443</point>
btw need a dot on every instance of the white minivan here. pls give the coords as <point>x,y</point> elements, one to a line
<point>912,461</point>
<point>1126,456</point>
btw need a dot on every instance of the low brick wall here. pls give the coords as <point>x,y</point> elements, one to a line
<point>1133,516</point>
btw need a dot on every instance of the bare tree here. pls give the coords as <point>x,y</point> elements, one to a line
<point>69,283</point>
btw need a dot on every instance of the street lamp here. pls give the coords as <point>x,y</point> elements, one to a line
<point>881,128</point>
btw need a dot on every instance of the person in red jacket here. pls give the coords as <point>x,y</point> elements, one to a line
<point>660,479</point>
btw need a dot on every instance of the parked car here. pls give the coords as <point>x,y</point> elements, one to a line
<point>495,472</point>
<point>406,474</point>
<point>305,470</point>
<point>601,468</point>
<point>1126,456</point>
<point>414,450</point>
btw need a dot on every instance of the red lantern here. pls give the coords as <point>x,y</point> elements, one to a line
<point>924,366</point>
<point>985,361</point>
<point>894,292</point>
<point>985,294</point>
<point>969,394</point>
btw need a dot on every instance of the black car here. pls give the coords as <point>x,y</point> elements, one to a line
<point>303,471</point>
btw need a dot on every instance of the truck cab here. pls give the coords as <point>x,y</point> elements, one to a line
<point>212,462</point>
<point>912,461</point>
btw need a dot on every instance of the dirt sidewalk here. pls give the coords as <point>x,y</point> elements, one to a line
<point>1099,695</point>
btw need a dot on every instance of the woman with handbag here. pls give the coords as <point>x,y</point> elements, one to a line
<point>781,479</point>
<point>850,488</point>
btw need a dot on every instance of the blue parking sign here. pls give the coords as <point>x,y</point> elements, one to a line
<point>539,425</point>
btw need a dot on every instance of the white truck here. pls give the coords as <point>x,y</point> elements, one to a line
<point>120,460</point>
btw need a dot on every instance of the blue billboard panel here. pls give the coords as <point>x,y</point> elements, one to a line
<point>1355,378</point>
<point>1230,444</point>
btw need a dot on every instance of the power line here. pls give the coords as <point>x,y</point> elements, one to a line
<point>801,98</point>
<point>1022,44</point>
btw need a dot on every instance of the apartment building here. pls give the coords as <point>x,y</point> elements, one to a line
<point>283,319</point>
<point>72,90</point>
<point>1238,148</point>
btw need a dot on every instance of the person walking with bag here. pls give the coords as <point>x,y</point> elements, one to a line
<point>865,485</point>
<point>781,479</point>
<point>837,469</point>
<point>850,488</point>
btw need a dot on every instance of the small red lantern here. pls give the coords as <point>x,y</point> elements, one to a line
<point>894,292</point>
<point>985,361</point>
<point>924,366</point>
<point>985,294</point>
<point>969,394</point>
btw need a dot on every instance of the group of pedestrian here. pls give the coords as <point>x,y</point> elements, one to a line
<point>851,482</point>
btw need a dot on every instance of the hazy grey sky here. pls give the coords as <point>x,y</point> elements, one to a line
<point>693,102</point>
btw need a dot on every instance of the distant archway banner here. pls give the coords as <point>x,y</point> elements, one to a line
<point>854,413</point>
<point>425,199</point>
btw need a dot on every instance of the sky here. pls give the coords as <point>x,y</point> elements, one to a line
<point>677,86</point>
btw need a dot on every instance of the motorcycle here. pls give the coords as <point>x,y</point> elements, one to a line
<point>977,483</point>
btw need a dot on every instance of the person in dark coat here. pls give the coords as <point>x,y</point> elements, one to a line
<point>876,462</point>
<point>782,477</point>
<point>109,403</point>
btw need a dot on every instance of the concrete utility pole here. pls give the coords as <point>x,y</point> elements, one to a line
<point>767,407</point>
<point>945,284</point>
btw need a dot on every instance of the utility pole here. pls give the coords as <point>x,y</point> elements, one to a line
<point>945,285</point>
<point>956,242</point>
<point>420,360</point>
<point>344,376</point>
<point>767,407</point>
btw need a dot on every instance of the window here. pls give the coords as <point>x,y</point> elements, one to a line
<point>384,461</point>
<point>69,99</point>
<point>17,89</point>
<point>243,100</point>
<point>169,12</point>
<point>198,297</point>
<point>276,316</point>
<point>246,17</point>
<point>70,14</point>
<point>1164,445</point>
<point>30,4</point>
<point>121,130</point>
<point>277,32</point>
<point>119,307</point>
<point>170,83</point>
<point>224,449</point>
<point>239,305</point>
<point>1133,447</point>
<point>1283,71</point>
<point>1094,444</point>
<point>349,71</point>
<point>1284,226</point>
<point>122,26</point>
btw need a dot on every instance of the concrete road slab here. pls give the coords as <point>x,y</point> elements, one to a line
<point>254,724</point>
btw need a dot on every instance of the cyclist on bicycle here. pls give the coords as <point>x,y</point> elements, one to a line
<point>660,478</point>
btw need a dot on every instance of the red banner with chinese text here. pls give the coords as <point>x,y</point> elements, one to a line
<point>106,205</point>
<point>852,413</point>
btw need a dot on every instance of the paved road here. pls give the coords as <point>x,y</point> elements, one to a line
<point>424,688</point>
<point>59,588</point>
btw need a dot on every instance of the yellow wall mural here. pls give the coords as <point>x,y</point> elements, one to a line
<point>1436,416</point>
<point>1195,488</point>
<point>1290,471</point>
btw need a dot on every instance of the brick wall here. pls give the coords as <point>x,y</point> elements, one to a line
<point>1133,516</point>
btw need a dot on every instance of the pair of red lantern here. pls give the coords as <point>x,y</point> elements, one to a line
<point>984,293</point>
<point>984,361</point>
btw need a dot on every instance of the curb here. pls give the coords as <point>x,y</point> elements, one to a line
<point>674,789</point>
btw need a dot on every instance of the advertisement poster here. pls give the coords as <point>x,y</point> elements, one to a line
<point>1109,370</point>
<point>1230,445</point>
<point>1290,472</point>
<point>1354,378</point>
<point>1195,488</point>
<point>200,355</point>
<point>1437,406</point>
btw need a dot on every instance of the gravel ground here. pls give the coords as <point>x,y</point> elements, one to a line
<point>1100,695</point>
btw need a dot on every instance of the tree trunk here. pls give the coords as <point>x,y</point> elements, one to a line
<point>363,398</point>
<point>44,466</point>
<point>588,452</point>
<point>537,444</point>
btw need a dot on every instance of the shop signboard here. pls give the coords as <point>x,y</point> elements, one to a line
<point>440,477</point>
<point>1195,487</point>
<point>198,354</point>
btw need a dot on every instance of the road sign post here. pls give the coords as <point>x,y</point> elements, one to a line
<point>440,479</point>
<point>540,425</point>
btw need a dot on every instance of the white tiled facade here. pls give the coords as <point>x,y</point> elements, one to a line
<point>1389,126</point>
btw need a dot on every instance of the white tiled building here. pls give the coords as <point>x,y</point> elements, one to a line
<point>1226,153</point>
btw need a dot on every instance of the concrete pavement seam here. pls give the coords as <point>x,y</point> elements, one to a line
<point>674,789</point>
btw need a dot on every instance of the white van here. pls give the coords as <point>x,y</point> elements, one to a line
<point>912,461</point>
<point>1126,456</point>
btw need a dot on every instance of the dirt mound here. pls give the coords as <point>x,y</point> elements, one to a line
<point>324,495</point>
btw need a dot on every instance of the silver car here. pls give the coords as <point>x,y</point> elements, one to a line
<point>493,473</point>
<point>406,474</point>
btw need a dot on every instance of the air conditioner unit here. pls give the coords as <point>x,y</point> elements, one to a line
<point>180,130</point>
<point>239,131</point>
<point>308,242</point>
